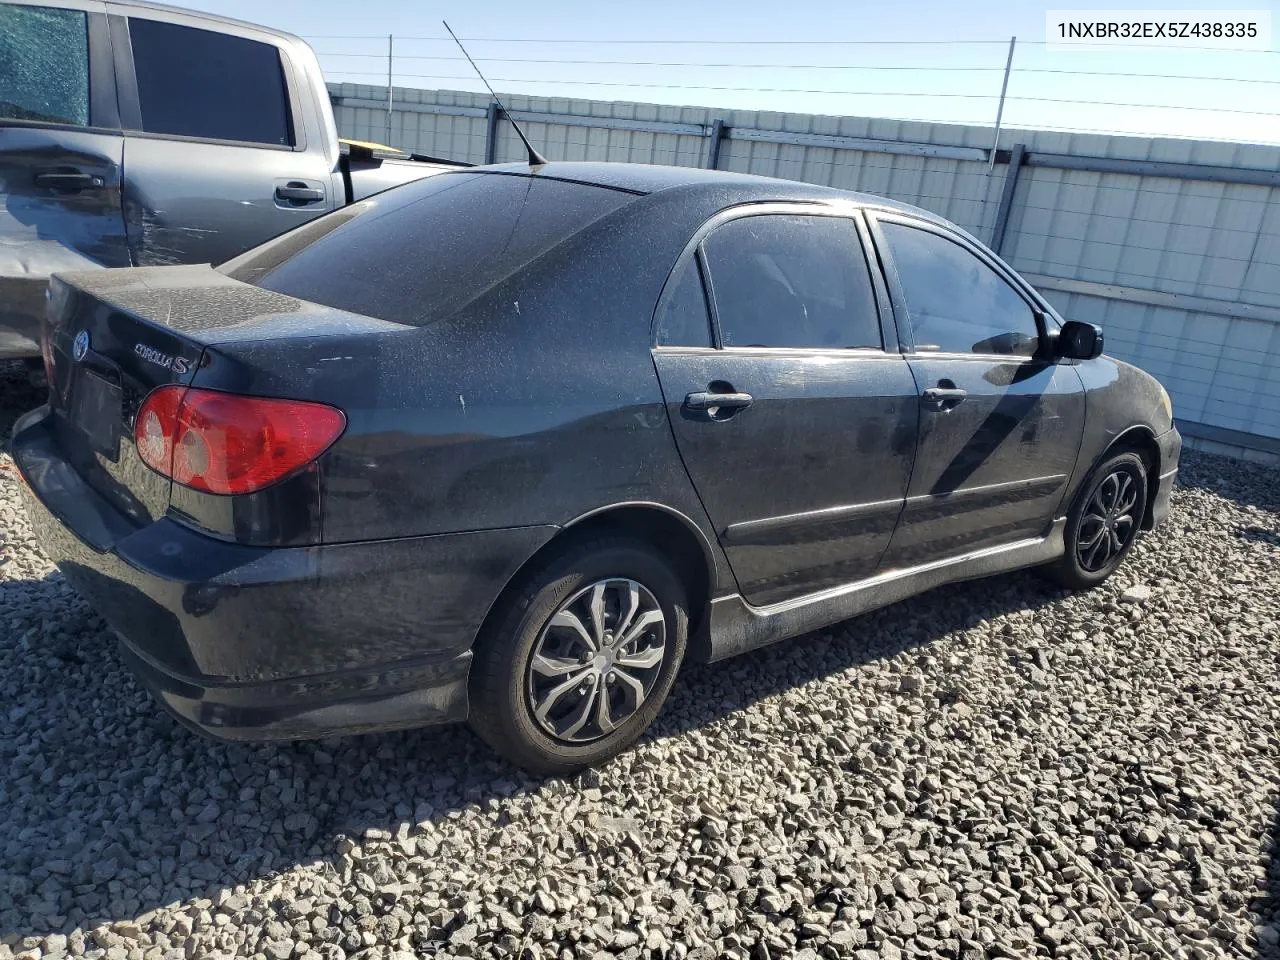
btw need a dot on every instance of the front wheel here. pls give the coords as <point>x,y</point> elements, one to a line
<point>1103,523</point>
<point>579,658</point>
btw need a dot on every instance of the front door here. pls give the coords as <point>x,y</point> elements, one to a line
<point>60,158</point>
<point>1001,422</point>
<point>795,423</point>
<point>216,157</point>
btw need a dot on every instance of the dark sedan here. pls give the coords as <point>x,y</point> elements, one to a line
<point>507,445</point>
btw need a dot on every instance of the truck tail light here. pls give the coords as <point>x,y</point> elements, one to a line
<point>229,444</point>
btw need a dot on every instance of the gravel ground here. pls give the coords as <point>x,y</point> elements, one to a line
<point>996,769</point>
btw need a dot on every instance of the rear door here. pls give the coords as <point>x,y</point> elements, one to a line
<point>60,157</point>
<point>1001,422</point>
<point>796,424</point>
<point>216,155</point>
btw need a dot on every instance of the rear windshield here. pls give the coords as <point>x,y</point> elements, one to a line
<point>425,250</point>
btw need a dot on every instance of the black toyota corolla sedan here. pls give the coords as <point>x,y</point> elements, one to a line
<point>508,445</point>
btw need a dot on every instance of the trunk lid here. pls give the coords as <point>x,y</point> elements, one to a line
<point>113,336</point>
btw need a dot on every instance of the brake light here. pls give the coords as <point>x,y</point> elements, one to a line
<point>229,444</point>
<point>155,426</point>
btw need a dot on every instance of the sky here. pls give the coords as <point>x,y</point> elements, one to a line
<point>918,59</point>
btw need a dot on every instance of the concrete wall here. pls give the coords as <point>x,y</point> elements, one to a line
<point>1182,270</point>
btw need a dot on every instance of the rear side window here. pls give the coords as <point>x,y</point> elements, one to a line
<point>791,281</point>
<point>44,65</point>
<point>425,250</point>
<point>197,83</point>
<point>683,320</point>
<point>956,303</point>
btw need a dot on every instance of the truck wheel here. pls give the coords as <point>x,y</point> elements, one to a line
<point>1103,523</point>
<point>580,656</point>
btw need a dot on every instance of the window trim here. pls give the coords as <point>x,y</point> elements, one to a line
<point>847,210</point>
<point>127,79</point>
<point>906,336</point>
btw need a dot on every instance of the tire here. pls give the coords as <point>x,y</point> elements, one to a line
<point>529,715</point>
<point>1103,523</point>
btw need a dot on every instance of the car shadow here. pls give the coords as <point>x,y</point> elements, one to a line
<point>1261,535</point>
<point>353,785</point>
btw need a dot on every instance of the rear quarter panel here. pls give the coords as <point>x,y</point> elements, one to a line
<point>536,405</point>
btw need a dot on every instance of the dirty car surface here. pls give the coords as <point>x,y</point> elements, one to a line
<point>509,444</point>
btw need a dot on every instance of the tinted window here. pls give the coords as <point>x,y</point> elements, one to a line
<point>957,303</point>
<point>44,64</point>
<point>196,83</point>
<point>684,321</point>
<point>423,251</point>
<point>791,281</point>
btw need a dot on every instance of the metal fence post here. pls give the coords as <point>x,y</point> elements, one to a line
<point>1016,158</point>
<point>491,133</point>
<point>716,135</point>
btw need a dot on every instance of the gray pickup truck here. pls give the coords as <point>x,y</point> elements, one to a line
<point>135,134</point>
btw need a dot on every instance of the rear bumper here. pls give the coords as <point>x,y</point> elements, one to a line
<point>274,643</point>
<point>353,701</point>
<point>1170,444</point>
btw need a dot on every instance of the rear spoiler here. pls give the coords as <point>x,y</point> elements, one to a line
<point>364,150</point>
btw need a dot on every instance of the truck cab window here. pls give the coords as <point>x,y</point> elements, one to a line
<point>44,65</point>
<point>197,83</point>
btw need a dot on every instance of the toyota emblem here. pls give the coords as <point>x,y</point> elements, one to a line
<point>80,345</point>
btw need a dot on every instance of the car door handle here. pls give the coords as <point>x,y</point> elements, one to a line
<point>722,401</point>
<point>64,180</point>
<point>299,193</point>
<point>943,398</point>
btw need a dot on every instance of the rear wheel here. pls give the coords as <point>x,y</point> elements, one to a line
<point>580,656</point>
<point>1103,523</point>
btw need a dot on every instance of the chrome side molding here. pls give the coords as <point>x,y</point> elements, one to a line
<point>736,626</point>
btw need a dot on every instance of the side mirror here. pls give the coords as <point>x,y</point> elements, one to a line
<point>1079,341</point>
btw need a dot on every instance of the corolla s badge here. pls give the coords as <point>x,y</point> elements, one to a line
<point>80,345</point>
<point>150,354</point>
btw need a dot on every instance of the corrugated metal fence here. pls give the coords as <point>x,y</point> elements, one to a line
<point>1172,246</point>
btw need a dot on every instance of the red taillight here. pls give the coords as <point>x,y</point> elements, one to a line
<point>155,426</point>
<point>223,443</point>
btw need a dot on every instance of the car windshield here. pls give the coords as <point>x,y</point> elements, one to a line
<point>425,250</point>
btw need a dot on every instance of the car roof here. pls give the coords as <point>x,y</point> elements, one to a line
<point>644,178</point>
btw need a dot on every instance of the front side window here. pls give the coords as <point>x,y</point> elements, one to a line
<point>44,65</point>
<point>956,303</point>
<point>791,281</point>
<point>197,83</point>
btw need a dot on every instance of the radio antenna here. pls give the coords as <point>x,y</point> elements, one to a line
<point>535,158</point>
